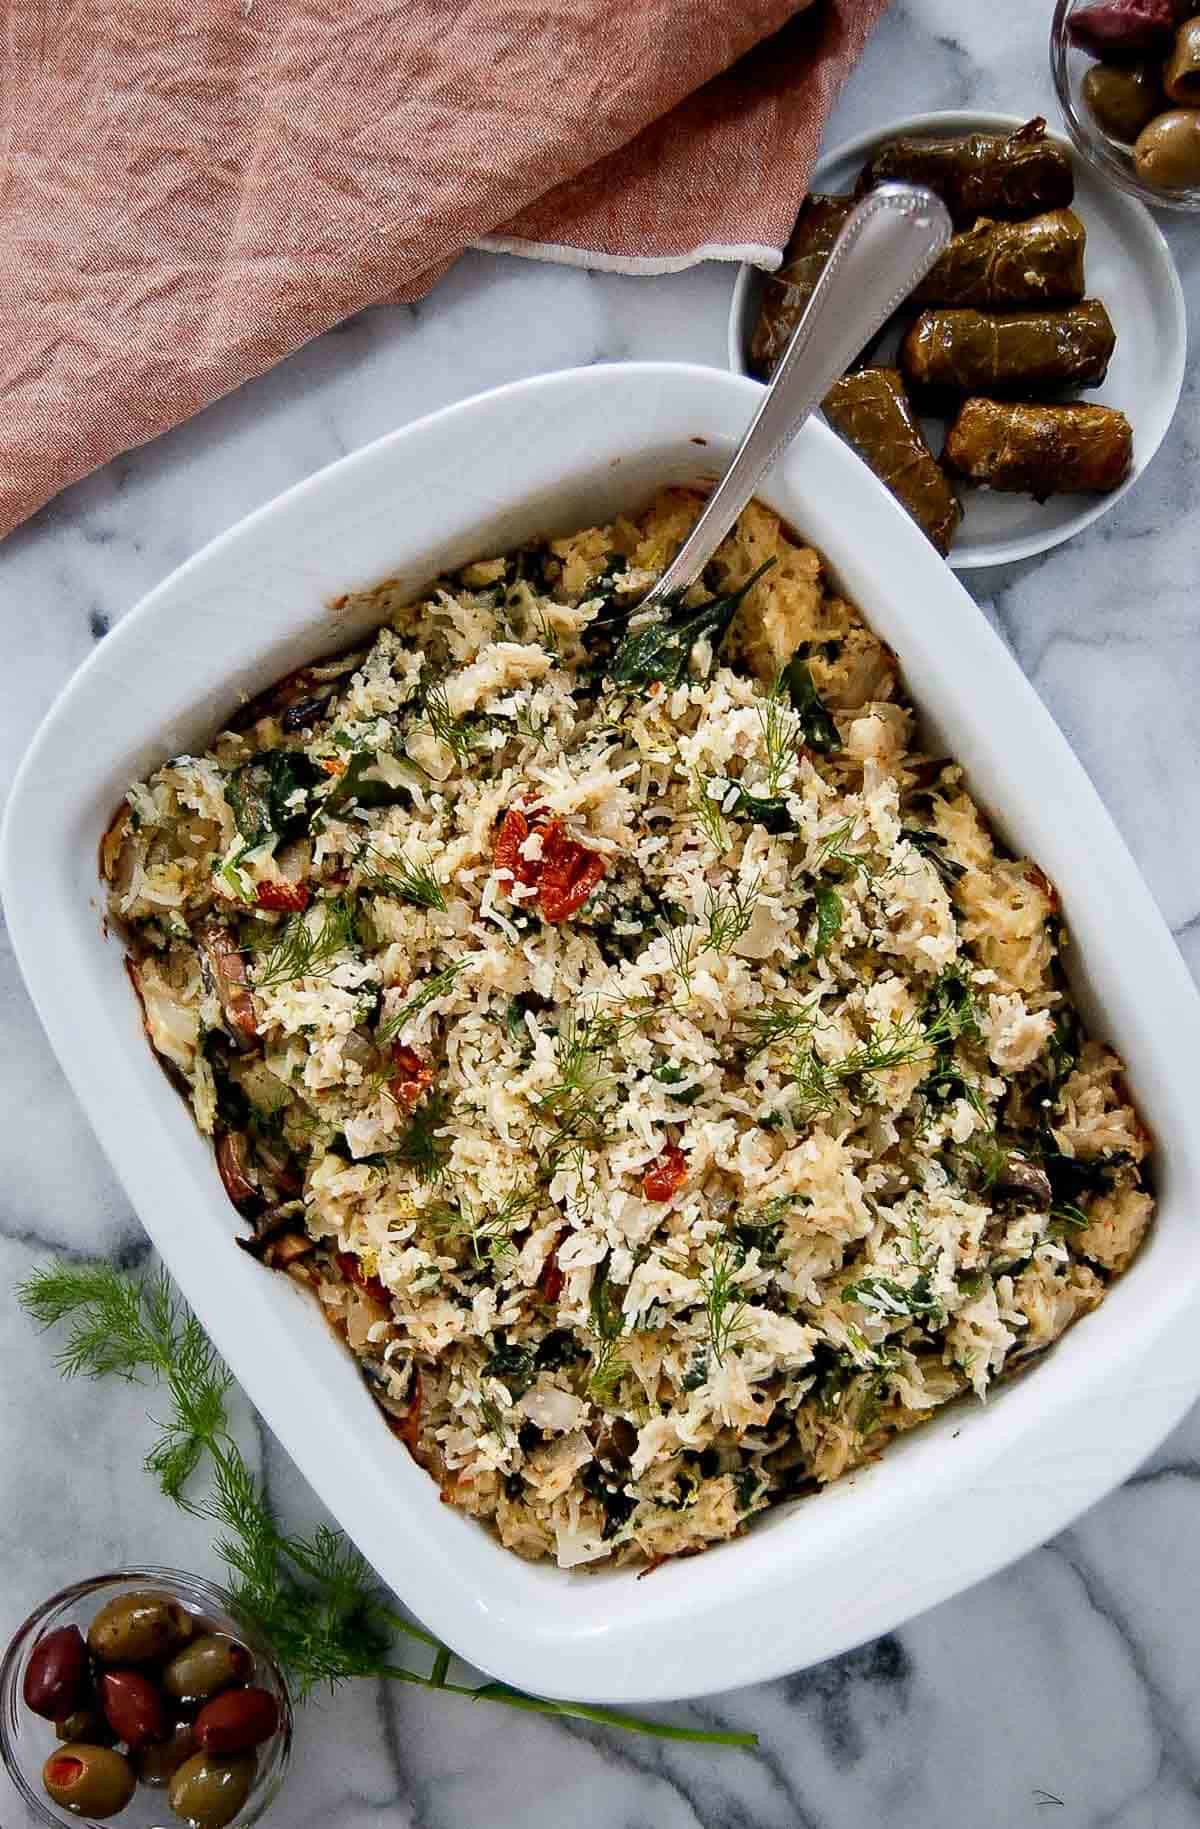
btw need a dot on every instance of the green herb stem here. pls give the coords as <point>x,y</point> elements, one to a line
<point>313,1597</point>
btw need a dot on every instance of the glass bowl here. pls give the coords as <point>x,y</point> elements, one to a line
<point>1069,66</point>
<point>26,1740</point>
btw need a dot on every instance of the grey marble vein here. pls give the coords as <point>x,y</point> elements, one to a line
<point>1062,1691</point>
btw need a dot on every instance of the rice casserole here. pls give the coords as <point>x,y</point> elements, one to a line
<point>651,1060</point>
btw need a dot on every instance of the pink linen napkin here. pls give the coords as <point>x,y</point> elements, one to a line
<point>190,189</point>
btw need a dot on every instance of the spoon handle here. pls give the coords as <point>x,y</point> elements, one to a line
<point>888,243</point>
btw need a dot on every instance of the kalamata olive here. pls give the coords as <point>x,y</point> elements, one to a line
<point>208,1793</point>
<point>138,1628</point>
<point>237,1721</point>
<point>1181,75</point>
<point>88,1780</point>
<point>56,1674</point>
<point>86,1724</point>
<point>133,1707</point>
<point>1122,98</point>
<point>158,1764</point>
<point>205,1667</point>
<point>1167,153</point>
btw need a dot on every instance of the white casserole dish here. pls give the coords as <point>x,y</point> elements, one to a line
<point>947,1504</point>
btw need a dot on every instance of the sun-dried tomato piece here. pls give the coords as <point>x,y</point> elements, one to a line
<point>413,1078</point>
<point>666,1173</point>
<point>371,1286</point>
<point>506,853</point>
<point>550,1283</point>
<point>282,898</point>
<point>564,874</point>
<point>569,874</point>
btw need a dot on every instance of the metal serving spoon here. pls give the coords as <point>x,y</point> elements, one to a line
<point>888,243</point>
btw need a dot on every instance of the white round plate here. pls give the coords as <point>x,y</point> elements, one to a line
<point>1128,265</point>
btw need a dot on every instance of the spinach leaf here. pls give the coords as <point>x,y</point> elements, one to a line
<point>817,729</point>
<point>669,1075</point>
<point>661,650</point>
<point>932,846</point>
<point>829,919</point>
<point>515,1027</point>
<point>259,792</point>
<point>767,810</point>
<point>513,1366</point>
<point>352,784</point>
<point>1074,1177</point>
<point>557,1349</point>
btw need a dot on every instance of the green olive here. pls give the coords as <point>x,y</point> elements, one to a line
<point>137,1628</point>
<point>1167,153</point>
<point>89,1780</point>
<point>86,1724</point>
<point>157,1765</point>
<point>208,1793</point>
<point>205,1667</point>
<point>1122,98</point>
<point>1181,74</point>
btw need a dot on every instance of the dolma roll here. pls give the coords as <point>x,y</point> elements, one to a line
<point>1001,264</point>
<point>1040,449</point>
<point>786,293</point>
<point>981,174</point>
<point>1017,352</point>
<point>870,409</point>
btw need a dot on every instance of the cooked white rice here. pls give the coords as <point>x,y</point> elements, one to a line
<point>644,1214</point>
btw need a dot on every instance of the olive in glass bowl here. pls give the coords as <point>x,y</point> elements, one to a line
<point>143,1697</point>
<point>1120,94</point>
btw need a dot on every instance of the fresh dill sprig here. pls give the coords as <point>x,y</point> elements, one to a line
<point>951,1008</point>
<point>570,1106</point>
<point>607,1327</point>
<point>314,1598</point>
<point>488,1233</point>
<point>815,1082</point>
<point>681,950</point>
<point>890,1045</point>
<point>439,984</point>
<point>728,916</point>
<point>779,1020</point>
<point>307,945</point>
<point>399,876</point>
<point>899,1043</point>
<point>781,733</point>
<point>708,812</point>
<point>460,735</point>
<point>724,1314</point>
<point>523,723</point>
<point>835,853</point>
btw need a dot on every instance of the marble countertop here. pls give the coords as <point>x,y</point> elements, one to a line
<point>1062,1690</point>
